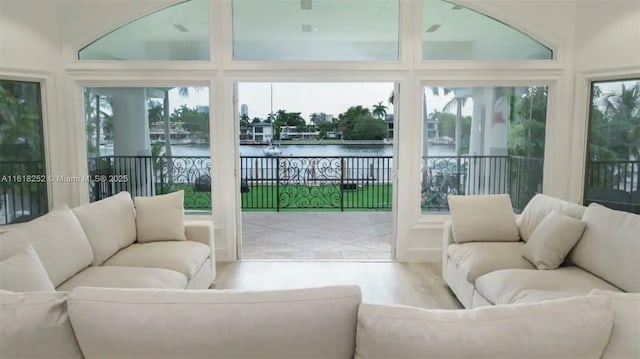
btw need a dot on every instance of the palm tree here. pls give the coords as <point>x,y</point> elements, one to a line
<point>622,110</point>
<point>182,91</point>
<point>97,108</point>
<point>459,102</point>
<point>379,111</point>
<point>244,120</point>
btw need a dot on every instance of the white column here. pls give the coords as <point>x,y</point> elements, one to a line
<point>130,122</point>
<point>131,138</point>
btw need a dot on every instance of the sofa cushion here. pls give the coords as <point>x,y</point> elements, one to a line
<point>482,218</point>
<point>110,224</point>
<point>567,328</point>
<point>476,259</point>
<point>39,326</point>
<point>300,323</point>
<point>23,272</point>
<point>126,277</point>
<point>539,207</point>
<point>185,257</point>
<point>610,247</point>
<point>625,335</point>
<point>160,218</point>
<point>552,240</point>
<point>515,285</point>
<point>58,238</point>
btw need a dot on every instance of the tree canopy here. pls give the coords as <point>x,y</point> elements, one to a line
<point>357,123</point>
<point>193,121</point>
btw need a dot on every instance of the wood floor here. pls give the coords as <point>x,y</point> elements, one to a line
<point>416,284</point>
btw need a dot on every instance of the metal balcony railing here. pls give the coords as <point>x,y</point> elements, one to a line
<point>23,191</point>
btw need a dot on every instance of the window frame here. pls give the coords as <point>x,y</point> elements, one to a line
<point>48,132</point>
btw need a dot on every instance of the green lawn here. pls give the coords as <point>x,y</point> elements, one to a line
<point>317,198</point>
<point>300,198</point>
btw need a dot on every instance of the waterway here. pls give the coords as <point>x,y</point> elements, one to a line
<point>312,150</point>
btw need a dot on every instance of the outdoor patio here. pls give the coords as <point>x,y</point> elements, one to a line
<point>316,235</point>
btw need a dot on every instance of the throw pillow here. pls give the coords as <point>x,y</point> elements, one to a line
<point>625,335</point>
<point>39,326</point>
<point>552,240</point>
<point>576,327</point>
<point>539,207</point>
<point>160,218</point>
<point>486,218</point>
<point>59,240</point>
<point>23,272</point>
<point>110,225</point>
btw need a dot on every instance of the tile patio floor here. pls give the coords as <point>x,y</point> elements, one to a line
<point>316,235</point>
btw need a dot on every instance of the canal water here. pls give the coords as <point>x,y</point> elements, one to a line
<point>312,150</point>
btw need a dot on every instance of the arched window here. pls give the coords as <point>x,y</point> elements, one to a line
<point>453,32</point>
<point>315,30</point>
<point>178,32</point>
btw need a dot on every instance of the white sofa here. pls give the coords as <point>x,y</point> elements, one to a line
<point>98,245</point>
<point>323,323</point>
<point>606,257</point>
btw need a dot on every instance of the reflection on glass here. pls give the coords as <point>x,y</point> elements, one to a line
<point>149,141</point>
<point>613,156</point>
<point>315,30</point>
<point>482,140</point>
<point>23,189</point>
<point>179,32</point>
<point>454,32</point>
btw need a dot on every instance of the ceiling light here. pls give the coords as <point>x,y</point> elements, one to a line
<point>305,4</point>
<point>181,27</point>
<point>433,28</point>
<point>307,28</point>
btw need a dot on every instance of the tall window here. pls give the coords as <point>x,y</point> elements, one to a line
<point>613,152</point>
<point>149,141</point>
<point>23,189</point>
<point>482,140</point>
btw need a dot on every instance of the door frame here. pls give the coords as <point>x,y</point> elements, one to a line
<point>269,77</point>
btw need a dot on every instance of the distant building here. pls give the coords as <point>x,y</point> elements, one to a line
<point>261,132</point>
<point>244,110</point>
<point>293,132</point>
<point>203,109</point>
<point>388,118</point>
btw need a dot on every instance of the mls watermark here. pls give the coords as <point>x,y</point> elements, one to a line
<point>39,178</point>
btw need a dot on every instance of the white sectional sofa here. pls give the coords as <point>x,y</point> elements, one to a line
<point>100,244</point>
<point>322,323</point>
<point>489,272</point>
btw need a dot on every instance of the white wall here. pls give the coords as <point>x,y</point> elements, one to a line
<point>607,35</point>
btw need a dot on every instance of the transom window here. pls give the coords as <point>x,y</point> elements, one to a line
<point>315,30</point>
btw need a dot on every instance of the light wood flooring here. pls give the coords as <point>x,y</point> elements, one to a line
<point>416,284</point>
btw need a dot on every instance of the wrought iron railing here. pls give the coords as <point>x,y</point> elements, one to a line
<point>316,182</point>
<point>521,177</point>
<point>615,184</point>
<point>319,182</point>
<point>23,191</point>
<point>151,175</point>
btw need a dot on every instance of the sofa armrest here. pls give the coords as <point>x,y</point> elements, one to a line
<point>200,231</point>
<point>203,232</point>
<point>447,239</point>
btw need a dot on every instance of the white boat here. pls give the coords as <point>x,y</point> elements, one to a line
<point>272,150</point>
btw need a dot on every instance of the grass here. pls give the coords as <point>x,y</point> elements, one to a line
<point>317,198</point>
<point>299,198</point>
